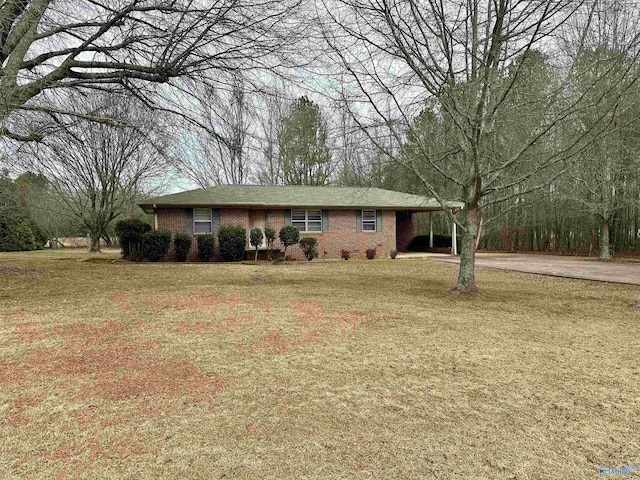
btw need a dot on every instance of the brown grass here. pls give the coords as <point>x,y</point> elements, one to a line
<point>329,370</point>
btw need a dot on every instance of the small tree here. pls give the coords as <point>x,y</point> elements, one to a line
<point>232,242</point>
<point>205,247</point>
<point>270,237</point>
<point>289,235</point>
<point>155,244</point>
<point>309,247</point>
<point>255,237</point>
<point>182,245</point>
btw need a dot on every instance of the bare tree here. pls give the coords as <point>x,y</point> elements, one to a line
<point>216,152</point>
<point>48,45</point>
<point>462,56</point>
<point>276,106</point>
<point>98,170</point>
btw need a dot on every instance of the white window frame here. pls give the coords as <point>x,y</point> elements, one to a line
<point>196,221</point>
<point>305,223</point>
<point>370,222</point>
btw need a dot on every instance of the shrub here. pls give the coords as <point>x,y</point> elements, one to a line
<point>232,242</point>
<point>289,235</point>
<point>309,247</point>
<point>345,254</point>
<point>16,237</point>
<point>205,247</point>
<point>279,260</point>
<point>269,236</point>
<point>182,245</point>
<point>255,238</point>
<point>371,253</point>
<point>393,254</point>
<point>155,244</point>
<point>129,233</point>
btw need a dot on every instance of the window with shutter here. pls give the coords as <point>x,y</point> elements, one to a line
<point>202,220</point>
<point>369,220</point>
<point>307,220</point>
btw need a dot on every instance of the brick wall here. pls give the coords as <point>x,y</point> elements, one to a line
<point>342,232</point>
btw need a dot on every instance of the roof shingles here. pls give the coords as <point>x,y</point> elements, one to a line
<point>255,196</point>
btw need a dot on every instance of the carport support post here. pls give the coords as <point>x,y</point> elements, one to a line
<point>454,240</point>
<point>430,230</point>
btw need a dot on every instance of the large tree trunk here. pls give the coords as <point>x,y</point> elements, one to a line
<point>467,274</point>
<point>95,243</point>
<point>605,251</point>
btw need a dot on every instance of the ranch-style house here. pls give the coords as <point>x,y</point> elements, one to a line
<point>341,218</point>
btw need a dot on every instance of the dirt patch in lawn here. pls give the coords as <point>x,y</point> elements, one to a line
<point>16,270</point>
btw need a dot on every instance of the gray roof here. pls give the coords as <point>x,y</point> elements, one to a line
<point>256,196</point>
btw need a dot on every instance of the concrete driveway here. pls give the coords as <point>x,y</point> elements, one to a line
<point>556,266</point>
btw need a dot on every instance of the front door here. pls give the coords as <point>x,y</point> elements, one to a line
<point>258,218</point>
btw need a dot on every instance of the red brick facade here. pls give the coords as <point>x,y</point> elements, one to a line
<point>342,232</point>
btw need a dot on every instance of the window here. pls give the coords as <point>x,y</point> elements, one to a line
<point>368,220</point>
<point>307,220</point>
<point>201,220</point>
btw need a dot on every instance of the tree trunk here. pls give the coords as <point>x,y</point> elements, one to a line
<point>467,274</point>
<point>256,259</point>
<point>95,243</point>
<point>605,251</point>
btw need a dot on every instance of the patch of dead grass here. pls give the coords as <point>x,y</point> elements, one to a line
<point>327,370</point>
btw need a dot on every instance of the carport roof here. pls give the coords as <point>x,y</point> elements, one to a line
<point>257,197</point>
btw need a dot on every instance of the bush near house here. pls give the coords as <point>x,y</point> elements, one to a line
<point>205,247</point>
<point>255,238</point>
<point>371,253</point>
<point>289,235</point>
<point>129,233</point>
<point>345,254</point>
<point>309,247</point>
<point>155,244</point>
<point>232,242</point>
<point>269,236</point>
<point>182,245</point>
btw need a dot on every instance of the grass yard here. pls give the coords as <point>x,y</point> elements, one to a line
<point>322,370</point>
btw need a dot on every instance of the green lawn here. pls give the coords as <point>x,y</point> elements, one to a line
<point>327,370</point>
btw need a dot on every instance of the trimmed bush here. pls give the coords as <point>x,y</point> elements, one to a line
<point>182,245</point>
<point>155,244</point>
<point>289,235</point>
<point>232,242</point>
<point>269,236</point>
<point>345,254</point>
<point>309,247</point>
<point>255,238</point>
<point>393,254</point>
<point>371,253</point>
<point>205,247</point>
<point>129,233</point>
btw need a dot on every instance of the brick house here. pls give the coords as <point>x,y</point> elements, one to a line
<point>340,218</point>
